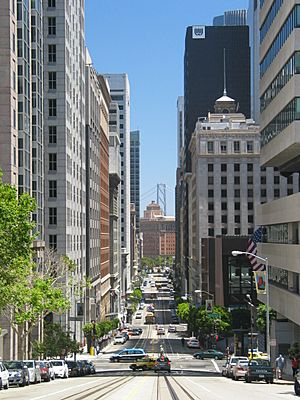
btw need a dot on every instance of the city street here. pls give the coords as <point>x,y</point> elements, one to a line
<point>189,378</point>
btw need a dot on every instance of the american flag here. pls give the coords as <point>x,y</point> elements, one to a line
<point>252,248</point>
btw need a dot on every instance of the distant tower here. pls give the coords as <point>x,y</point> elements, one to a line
<point>161,196</point>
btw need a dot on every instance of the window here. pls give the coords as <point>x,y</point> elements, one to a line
<point>52,53</point>
<point>51,4</point>
<point>276,180</point>
<point>223,146</point>
<point>210,147</point>
<point>210,167</point>
<point>263,193</point>
<point>210,193</point>
<point>250,192</point>
<point>237,206</point>
<point>52,189</point>
<point>223,193</point>
<point>289,191</point>
<point>236,146</point>
<point>237,219</point>
<point>210,219</point>
<point>237,231</point>
<point>263,180</point>
<point>276,193</point>
<point>223,167</point>
<point>224,231</point>
<point>250,231</point>
<point>236,167</point>
<point>210,180</point>
<point>52,162</point>
<point>290,180</point>
<point>51,26</point>
<point>223,180</point>
<point>52,107</point>
<point>236,180</point>
<point>250,146</point>
<point>224,219</point>
<point>237,193</point>
<point>250,219</point>
<point>250,180</point>
<point>250,205</point>
<point>53,242</point>
<point>52,134</point>
<point>249,167</point>
<point>211,232</point>
<point>52,215</point>
<point>52,80</point>
<point>223,206</point>
<point>210,206</point>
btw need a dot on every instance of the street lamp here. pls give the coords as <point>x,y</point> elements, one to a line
<point>204,291</point>
<point>265,261</point>
<point>249,302</point>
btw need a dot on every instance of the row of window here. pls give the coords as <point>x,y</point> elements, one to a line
<point>224,219</point>
<point>236,167</point>
<point>293,21</point>
<point>237,231</point>
<point>237,180</point>
<point>237,193</point>
<point>286,116</point>
<point>291,68</point>
<point>270,18</point>
<point>223,146</point>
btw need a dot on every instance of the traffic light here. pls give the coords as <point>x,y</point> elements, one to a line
<point>217,338</point>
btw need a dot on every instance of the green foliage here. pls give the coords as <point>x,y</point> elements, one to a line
<point>100,329</point>
<point>57,343</point>
<point>294,351</point>
<point>261,317</point>
<point>183,311</point>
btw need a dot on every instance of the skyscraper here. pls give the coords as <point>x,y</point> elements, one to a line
<point>120,94</point>
<point>135,174</point>
<point>231,18</point>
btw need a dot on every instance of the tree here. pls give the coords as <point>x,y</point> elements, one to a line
<point>57,342</point>
<point>183,311</point>
<point>261,317</point>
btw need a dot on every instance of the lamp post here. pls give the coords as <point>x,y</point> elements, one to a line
<point>265,261</point>
<point>249,301</point>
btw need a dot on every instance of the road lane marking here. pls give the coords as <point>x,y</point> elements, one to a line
<point>216,365</point>
<point>63,390</point>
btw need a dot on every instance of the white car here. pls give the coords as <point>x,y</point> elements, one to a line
<point>119,339</point>
<point>193,343</point>
<point>51,370</point>
<point>34,371</point>
<point>139,315</point>
<point>61,369</point>
<point>160,330</point>
<point>172,328</point>
<point>4,376</point>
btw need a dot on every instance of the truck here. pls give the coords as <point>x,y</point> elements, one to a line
<point>259,370</point>
<point>150,318</point>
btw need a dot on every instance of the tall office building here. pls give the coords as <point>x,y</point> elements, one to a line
<point>64,131</point>
<point>135,174</point>
<point>120,93</point>
<point>231,18</point>
<point>204,76</point>
<point>280,140</point>
<point>180,129</point>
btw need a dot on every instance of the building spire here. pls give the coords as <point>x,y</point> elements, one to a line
<point>224,68</point>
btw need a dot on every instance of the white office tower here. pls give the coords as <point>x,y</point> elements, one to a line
<point>64,128</point>
<point>120,93</point>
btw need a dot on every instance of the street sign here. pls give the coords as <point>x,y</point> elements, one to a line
<point>76,318</point>
<point>214,315</point>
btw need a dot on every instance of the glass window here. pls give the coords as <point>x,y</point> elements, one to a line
<point>210,206</point>
<point>249,167</point>
<point>52,107</point>
<point>223,167</point>
<point>52,215</point>
<point>211,232</point>
<point>52,162</point>
<point>52,189</point>
<point>210,147</point>
<point>250,146</point>
<point>223,146</point>
<point>210,219</point>
<point>236,180</point>
<point>223,206</point>
<point>237,219</point>
<point>210,180</point>
<point>223,180</point>
<point>210,167</point>
<point>210,193</point>
<point>236,146</point>
<point>223,193</point>
<point>236,167</point>
<point>51,26</point>
<point>52,80</point>
<point>52,134</point>
<point>52,53</point>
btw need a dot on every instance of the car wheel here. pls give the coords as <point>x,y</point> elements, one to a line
<point>297,388</point>
<point>216,358</point>
<point>198,357</point>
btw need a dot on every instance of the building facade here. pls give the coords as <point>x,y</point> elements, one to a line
<point>280,127</point>
<point>135,167</point>
<point>231,18</point>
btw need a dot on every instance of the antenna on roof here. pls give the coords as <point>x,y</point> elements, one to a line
<point>224,67</point>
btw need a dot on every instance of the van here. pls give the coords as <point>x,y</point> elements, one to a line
<point>126,355</point>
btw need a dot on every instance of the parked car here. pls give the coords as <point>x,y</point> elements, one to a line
<point>61,369</point>
<point>125,334</point>
<point>239,369</point>
<point>193,343</point>
<point>259,370</point>
<point>44,370</point>
<point>73,368</point>
<point>232,361</point>
<point>144,364</point>
<point>34,371</point>
<point>119,339</point>
<point>210,353</point>
<point>89,367</point>
<point>134,332</point>
<point>82,368</point>
<point>175,319</point>
<point>258,354</point>
<point>297,383</point>
<point>162,364</point>
<point>126,355</point>
<point>18,373</point>
<point>4,376</point>
<point>51,370</point>
<point>139,315</point>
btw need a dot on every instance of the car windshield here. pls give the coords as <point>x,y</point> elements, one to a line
<point>57,363</point>
<point>29,364</point>
<point>72,364</point>
<point>13,364</point>
<point>265,363</point>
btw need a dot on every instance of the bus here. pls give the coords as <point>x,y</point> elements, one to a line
<point>150,318</point>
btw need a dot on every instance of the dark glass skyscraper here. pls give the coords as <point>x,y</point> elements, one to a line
<point>204,72</point>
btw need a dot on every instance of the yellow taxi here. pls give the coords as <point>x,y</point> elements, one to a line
<point>143,364</point>
<point>258,354</point>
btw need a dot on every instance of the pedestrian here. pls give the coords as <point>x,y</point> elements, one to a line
<point>280,363</point>
<point>295,365</point>
<point>182,341</point>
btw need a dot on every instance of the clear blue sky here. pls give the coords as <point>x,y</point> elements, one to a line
<point>145,39</point>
